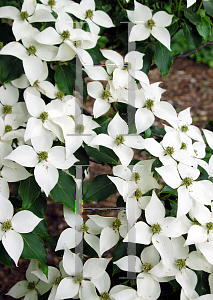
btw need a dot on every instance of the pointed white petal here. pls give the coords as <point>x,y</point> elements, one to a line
<point>95,267</point>
<point>48,36</point>
<point>72,263</point>
<point>139,33</point>
<point>188,280</point>
<point>170,175</point>
<point>69,237</point>
<point>102,19</point>
<point>108,239</point>
<point>24,155</point>
<point>97,73</point>
<point>15,49</point>
<point>141,234</point>
<point>33,68</point>
<point>100,107</point>
<point>25,221</point>
<point>46,175</point>
<point>155,211</point>
<point>87,291</point>
<point>67,289</point>
<point>94,242</point>
<point>13,244</point>
<point>102,283</point>
<point>197,261</point>
<point>124,153</point>
<point>164,246</point>
<point>145,280</point>
<point>6,210</point>
<point>184,201</point>
<point>129,263</point>
<point>206,249</point>
<point>162,35</point>
<point>150,255</point>
<point>19,289</point>
<point>209,137</point>
<point>144,118</point>
<point>162,19</point>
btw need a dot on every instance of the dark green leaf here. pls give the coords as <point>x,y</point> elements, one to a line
<point>103,121</point>
<point>42,230</point>
<point>10,68</point>
<point>202,287</point>
<point>29,190</point>
<point>174,26</point>
<point>204,29</point>
<point>120,202</point>
<point>163,59</point>
<point>3,3</point>
<point>102,155</point>
<point>99,189</point>
<point>191,35</point>
<point>34,248</point>
<point>6,33</point>
<point>82,156</point>
<point>39,207</point>
<point>147,60</point>
<point>5,259</point>
<point>65,78</point>
<point>64,190</point>
<point>158,131</point>
<point>17,204</point>
<point>96,54</point>
<point>208,5</point>
<point>193,17</point>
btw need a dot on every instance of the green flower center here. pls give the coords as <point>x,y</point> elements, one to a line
<point>89,14</point>
<point>51,3</point>
<point>116,224</point>
<point>105,296</point>
<point>169,150</point>
<point>35,84</point>
<point>7,225</point>
<point>78,278</point>
<point>31,50</point>
<point>181,263</point>
<point>24,15</point>
<point>149,103</point>
<point>78,44</point>
<point>195,222</point>
<point>43,155</point>
<point>150,24</point>
<point>31,285</point>
<point>184,128</point>
<point>187,181</point>
<point>119,139</point>
<point>209,226</point>
<point>44,116</point>
<point>156,228</point>
<point>84,228</point>
<point>59,95</point>
<point>147,267</point>
<point>58,280</point>
<point>183,146</point>
<point>8,128</point>
<point>106,94</point>
<point>65,34</point>
<point>195,151</point>
<point>135,176</point>
<point>79,128</point>
<point>127,66</point>
<point>73,117</point>
<point>7,109</point>
<point>138,194</point>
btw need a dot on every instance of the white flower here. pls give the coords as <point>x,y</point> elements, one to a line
<point>45,159</point>
<point>147,24</point>
<point>29,287</point>
<point>11,227</point>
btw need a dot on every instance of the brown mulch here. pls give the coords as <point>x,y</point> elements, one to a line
<point>188,85</point>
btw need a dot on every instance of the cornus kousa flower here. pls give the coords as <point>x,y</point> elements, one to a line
<point>148,259</point>
<point>149,105</point>
<point>71,237</point>
<point>54,278</point>
<point>112,228</point>
<point>188,188</point>
<point>123,69</point>
<point>11,227</point>
<point>45,159</point>
<point>184,276</point>
<point>21,25</point>
<point>146,24</point>
<point>119,140</point>
<point>86,11</point>
<point>80,277</point>
<point>29,287</point>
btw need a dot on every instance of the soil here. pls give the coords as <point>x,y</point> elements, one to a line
<point>188,84</point>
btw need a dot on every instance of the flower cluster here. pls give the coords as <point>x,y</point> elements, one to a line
<point>167,198</point>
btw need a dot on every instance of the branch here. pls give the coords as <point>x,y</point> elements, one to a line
<point>181,55</point>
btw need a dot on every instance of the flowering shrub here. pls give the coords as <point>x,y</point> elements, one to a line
<point>47,140</point>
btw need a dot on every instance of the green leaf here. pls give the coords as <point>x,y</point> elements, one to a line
<point>202,287</point>
<point>10,68</point>
<point>174,26</point>
<point>103,121</point>
<point>204,29</point>
<point>96,54</point>
<point>34,248</point>
<point>82,156</point>
<point>208,5</point>
<point>6,33</point>
<point>3,3</point>
<point>191,35</point>
<point>147,60</point>
<point>99,189</point>
<point>42,230</point>
<point>29,190</point>
<point>39,207</point>
<point>64,190</point>
<point>120,202</point>
<point>5,259</point>
<point>163,59</point>
<point>65,78</point>
<point>193,17</point>
<point>158,131</point>
<point>102,155</point>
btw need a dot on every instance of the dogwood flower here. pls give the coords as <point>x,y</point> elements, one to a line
<point>146,24</point>
<point>11,227</point>
<point>44,159</point>
<point>29,287</point>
